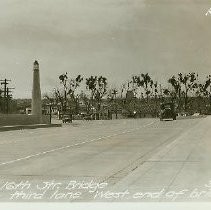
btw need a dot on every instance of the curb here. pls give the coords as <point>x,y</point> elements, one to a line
<point>21,127</point>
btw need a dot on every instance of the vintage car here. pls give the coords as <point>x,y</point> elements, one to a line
<point>67,118</point>
<point>167,111</point>
<point>88,117</point>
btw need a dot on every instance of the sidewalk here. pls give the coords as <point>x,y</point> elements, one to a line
<point>179,172</point>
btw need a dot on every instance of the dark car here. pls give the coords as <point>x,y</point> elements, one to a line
<point>67,118</point>
<point>88,117</point>
<point>168,111</point>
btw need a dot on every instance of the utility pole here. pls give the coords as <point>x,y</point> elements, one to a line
<point>6,95</point>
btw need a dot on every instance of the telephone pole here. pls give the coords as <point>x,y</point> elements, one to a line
<point>6,94</point>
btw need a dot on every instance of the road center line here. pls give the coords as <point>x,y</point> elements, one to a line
<point>69,146</point>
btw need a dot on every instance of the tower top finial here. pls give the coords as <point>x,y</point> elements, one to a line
<point>36,65</point>
<point>36,62</point>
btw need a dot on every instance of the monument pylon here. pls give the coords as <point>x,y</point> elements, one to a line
<point>36,93</point>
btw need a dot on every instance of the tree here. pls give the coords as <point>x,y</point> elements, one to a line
<point>204,92</point>
<point>189,84</point>
<point>73,86</point>
<point>70,85</point>
<point>183,85</point>
<point>59,101</point>
<point>147,84</point>
<point>98,88</point>
<point>207,87</point>
<point>144,81</point>
<point>63,80</point>
<point>86,101</point>
<point>1,102</point>
<point>155,90</point>
<point>123,89</point>
<point>176,94</point>
<point>166,92</point>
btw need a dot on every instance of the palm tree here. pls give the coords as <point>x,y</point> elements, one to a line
<point>183,85</point>
<point>189,84</point>
<point>146,83</point>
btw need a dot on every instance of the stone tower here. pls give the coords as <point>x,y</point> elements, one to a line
<point>36,93</point>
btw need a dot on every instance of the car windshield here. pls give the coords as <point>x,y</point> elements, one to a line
<point>166,106</point>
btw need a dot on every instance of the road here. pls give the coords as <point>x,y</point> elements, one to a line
<point>131,157</point>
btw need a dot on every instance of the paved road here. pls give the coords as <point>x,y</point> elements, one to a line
<point>128,157</point>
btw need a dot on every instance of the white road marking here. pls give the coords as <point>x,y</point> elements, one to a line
<point>68,146</point>
<point>21,140</point>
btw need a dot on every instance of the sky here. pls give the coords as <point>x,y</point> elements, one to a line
<point>113,38</point>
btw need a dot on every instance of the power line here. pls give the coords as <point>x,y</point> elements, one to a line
<point>7,94</point>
